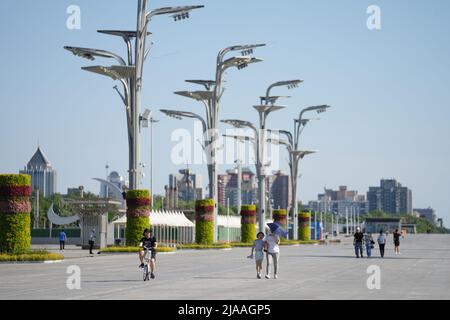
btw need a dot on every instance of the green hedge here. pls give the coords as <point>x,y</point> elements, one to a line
<point>241,244</point>
<point>204,246</point>
<point>133,249</point>
<point>135,229</point>
<point>15,233</point>
<point>15,180</point>
<point>293,242</point>
<point>44,233</point>
<point>31,256</point>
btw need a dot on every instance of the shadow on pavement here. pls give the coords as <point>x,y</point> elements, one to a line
<point>111,281</point>
<point>353,257</point>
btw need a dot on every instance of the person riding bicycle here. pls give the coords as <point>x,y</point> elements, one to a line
<point>148,242</point>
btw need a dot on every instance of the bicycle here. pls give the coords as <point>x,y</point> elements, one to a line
<point>147,258</point>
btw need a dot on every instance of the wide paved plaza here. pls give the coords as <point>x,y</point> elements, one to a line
<point>422,271</point>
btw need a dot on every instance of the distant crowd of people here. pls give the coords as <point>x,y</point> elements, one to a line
<point>363,239</point>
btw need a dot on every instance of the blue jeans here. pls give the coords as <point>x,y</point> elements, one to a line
<point>358,249</point>
<point>369,250</point>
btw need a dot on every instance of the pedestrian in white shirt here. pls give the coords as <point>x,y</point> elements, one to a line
<point>273,250</point>
<point>381,242</point>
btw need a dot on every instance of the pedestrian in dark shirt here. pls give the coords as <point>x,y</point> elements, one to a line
<point>358,242</point>
<point>397,236</point>
<point>149,242</point>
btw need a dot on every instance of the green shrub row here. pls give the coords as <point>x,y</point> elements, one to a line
<point>15,180</point>
<point>241,244</point>
<point>44,233</point>
<point>15,234</point>
<point>135,229</point>
<point>204,246</point>
<point>31,256</point>
<point>133,249</point>
<point>292,242</point>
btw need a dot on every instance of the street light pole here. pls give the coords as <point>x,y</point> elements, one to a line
<point>130,75</point>
<point>211,99</point>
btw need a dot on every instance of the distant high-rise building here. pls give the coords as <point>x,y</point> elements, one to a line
<point>188,184</point>
<point>280,190</point>
<point>342,201</point>
<point>43,176</point>
<point>428,214</point>
<point>228,187</point>
<point>390,197</point>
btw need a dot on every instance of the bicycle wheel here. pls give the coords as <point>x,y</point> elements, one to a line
<point>145,272</point>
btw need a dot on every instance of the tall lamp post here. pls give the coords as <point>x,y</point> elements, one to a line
<point>130,73</point>
<point>299,125</point>
<point>211,100</point>
<point>293,145</point>
<point>148,120</point>
<point>263,111</point>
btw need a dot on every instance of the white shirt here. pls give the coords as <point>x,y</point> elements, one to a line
<point>382,239</point>
<point>272,243</point>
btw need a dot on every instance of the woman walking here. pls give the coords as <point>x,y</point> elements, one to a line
<point>368,241</point>
<point>258,246</point>
<point>397,236</point>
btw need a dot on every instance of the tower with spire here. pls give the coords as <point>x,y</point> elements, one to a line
<point>43,176</point>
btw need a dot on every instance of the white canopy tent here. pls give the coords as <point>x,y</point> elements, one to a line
<point>170,227</point>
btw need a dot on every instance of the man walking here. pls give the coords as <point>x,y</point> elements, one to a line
<point>358,242</point>
<point>62,240</point>
<point>273,250</point>
<point>91,241</point>
<point>397,236</point>
<point>381,242</point>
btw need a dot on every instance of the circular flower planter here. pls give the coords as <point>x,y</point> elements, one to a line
<point>15,208</point>
<point>280,216</point>
<point>248,223</point>
<point>304,231</point>
<point>204,221</point>
<point>138,213</point>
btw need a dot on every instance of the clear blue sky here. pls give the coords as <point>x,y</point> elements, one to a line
<point>389,89</point>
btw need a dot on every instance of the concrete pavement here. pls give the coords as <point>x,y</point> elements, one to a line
<point>306,272</point>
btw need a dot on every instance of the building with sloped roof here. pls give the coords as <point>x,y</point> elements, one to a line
<point>43,176</point>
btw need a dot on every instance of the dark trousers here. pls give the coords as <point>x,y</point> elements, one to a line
<point>91,246</point>
<point>358,248</point>
<point>61,245</point>
<point>382,249</point>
